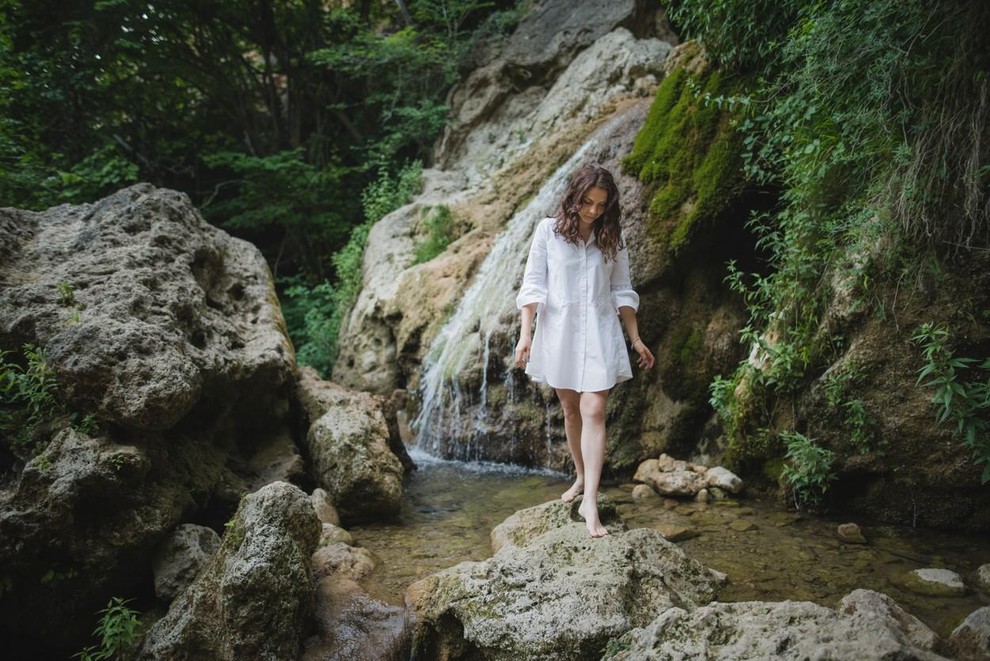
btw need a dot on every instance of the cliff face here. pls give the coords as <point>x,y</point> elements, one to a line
<point>440,335</point>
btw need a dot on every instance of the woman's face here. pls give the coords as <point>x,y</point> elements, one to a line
<point>593,204</point>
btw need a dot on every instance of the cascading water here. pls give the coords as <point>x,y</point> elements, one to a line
<point>453,421</point>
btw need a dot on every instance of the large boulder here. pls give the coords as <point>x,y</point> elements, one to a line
<point>253,600</point>
<point>558,595</point>
<point>786,630</point>
<point>147,313</point>
<point>166,332</point>
<point>355,449</point>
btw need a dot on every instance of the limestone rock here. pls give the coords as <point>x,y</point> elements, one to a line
<point>881,607</point>
<point>723,478</point>
<point>353,626</point>
<point>983,577</point>
<point>83,509</point>
<point>787,630</point>
<point>971,639</point>
<point>678,483</point>
<point>525,525</point>
<point>145,310</point>
<point>341,559</point>
<point>176,564</point>
<point>934,582</point>
<point>334,534</point>
<point>850,533</point>
<point>559,596</point>
<point>324,507</point>
<point>644,492</point>
<point>253,599</point>
<point>350,445</point>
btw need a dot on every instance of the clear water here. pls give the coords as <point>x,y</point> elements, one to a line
<point>769,553</point>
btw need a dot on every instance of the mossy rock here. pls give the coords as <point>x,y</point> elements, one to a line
<point>688,154</point>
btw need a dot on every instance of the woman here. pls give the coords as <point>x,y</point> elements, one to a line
<point>577,283</point>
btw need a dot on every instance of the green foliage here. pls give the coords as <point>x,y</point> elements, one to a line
<point>101,173</point>
<point>440,225</point>
<point>234,531</point>
<point>284,191</point>
<point>963,402</point>
<point>118,630</point>
<point>29,398</point>
<point>314,314</point>
<point>739,35</point>
<point>27,394</point>
<point>808,470</point>
<point>862,122</point>
<point>837,385</point>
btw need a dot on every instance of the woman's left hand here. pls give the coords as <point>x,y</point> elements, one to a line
<point>646,359</point>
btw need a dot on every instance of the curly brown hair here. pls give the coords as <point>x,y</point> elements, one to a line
<point>606,229</point>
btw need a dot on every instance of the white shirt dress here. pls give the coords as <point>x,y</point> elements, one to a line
<point>578,343</point>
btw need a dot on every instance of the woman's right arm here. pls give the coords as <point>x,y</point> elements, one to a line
<point>525,342</point>
<point>532,294</point>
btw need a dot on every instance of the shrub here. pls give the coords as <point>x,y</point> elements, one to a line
<point>964,403</point>
<point>808,470</point>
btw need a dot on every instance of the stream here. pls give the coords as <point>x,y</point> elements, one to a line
<point>768,552</point>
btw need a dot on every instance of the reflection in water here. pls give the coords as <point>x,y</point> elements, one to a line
<point>768,553</point>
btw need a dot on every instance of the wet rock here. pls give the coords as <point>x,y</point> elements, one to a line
<point>181,557</point>
<point>342,559</point>
<point>933,582</point>
<point>352,626</point>
<point>971,639</point>
<point>742,525</point>
<point>253,600</point>
<point>324,507</point>
<point>334,534</point>
<point>678,483</point>
<point>983,577</point>
<point>350,444</point>
<point>703,496</point>
<point>787,630</point>
<point>667,464</point>
<point>559,596</point>
<point>525,525</point>
<point>644,492</point>
<point>882,608</point>
<point>673,532</point>
<point>850,533</point>
<point>724,479</point>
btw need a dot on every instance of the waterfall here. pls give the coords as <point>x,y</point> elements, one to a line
<point>464,342</point>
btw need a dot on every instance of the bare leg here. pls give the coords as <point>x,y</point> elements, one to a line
<point>593,454</point>
<point>570,401</point>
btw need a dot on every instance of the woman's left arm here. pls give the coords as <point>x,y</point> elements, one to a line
<point>628,316</point>
<point>626,300</point>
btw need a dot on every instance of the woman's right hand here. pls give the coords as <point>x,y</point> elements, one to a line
<point>523,347</point>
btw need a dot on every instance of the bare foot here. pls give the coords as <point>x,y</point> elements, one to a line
<point>576,490</point>
<point>589,511</point>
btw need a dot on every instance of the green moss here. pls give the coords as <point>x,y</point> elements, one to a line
<point>688,153</point>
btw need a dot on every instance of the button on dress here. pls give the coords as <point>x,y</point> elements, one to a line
<point>578,343</point>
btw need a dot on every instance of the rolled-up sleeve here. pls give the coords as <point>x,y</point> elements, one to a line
<point>622,292</point>
<point>534,283</point>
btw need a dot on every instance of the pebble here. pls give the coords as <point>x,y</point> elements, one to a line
<point>740,525</point>
<point>675,533</point>
<point>850,533</point>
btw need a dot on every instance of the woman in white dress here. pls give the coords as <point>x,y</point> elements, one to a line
<point>577,284</point>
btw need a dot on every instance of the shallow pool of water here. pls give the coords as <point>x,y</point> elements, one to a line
<point>769,553</point>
